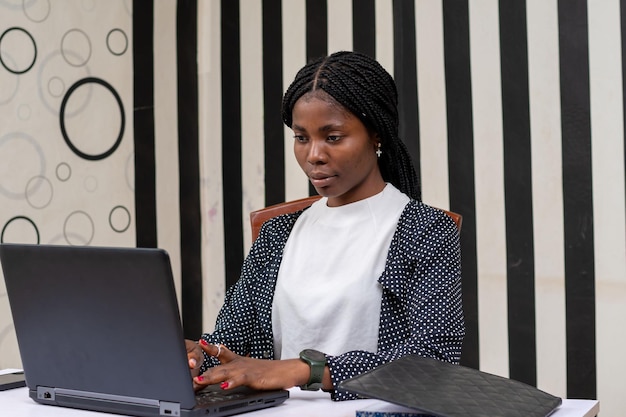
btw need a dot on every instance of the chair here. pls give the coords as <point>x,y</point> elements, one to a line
<point>258,217</point>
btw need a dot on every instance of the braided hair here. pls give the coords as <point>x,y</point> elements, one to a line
<point>361,85</point>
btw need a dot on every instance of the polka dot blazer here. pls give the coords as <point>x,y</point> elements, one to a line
<point>421,310</point>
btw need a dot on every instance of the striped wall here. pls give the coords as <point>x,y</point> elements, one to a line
<point>513,112</point>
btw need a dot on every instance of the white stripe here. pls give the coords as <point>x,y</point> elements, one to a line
<point>210,133</point>
<point>384,34</point>
<point>607,133</point>
<point>431,88</point>
<point>547,187</point>
<point>340,26</point>
<point>294,57</point>
<point>166,128</point>
<point>252,138</point>
<point>488,171</point>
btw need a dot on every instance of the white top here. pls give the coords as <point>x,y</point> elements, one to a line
<point>327,292</point>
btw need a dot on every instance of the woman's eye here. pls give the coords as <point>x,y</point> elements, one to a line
<point>333,138</point>
<point>299,138</point>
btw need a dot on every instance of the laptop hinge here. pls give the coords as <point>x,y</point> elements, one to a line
<point>165,408</point>
<point>169,409</point>
<point>50,393</point>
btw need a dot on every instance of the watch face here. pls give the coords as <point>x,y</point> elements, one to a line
<point>313,354</point>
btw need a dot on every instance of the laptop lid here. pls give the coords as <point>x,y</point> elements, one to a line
<point>441,389</point>
<point>99,328</point>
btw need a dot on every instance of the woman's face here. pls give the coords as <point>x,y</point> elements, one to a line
<point>335,150</point>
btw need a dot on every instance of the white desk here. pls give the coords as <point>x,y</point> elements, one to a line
<point>17,403</point>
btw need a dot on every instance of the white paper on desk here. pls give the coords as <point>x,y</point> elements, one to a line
<point>387,410</point>
<point>10,371</point>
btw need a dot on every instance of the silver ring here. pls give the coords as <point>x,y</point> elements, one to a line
<point>219,350</point>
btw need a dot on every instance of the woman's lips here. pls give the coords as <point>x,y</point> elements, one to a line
<point>321,180</point>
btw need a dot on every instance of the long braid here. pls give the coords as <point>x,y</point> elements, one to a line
<point>365,88</point>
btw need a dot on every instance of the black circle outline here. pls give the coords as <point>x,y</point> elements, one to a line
<point>34,46</point>
<point>111,219</point>
<point>33,20</point>
<point>62,118</point>
<point>26,192</point>
<point>63,51</point>
<point>93,227</point>
<point>56,77</point>
<point>18,218</point>
<point>57,171</point>
<point>125,37</point>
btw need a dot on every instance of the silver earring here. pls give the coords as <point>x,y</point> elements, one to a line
<point>378,151</point>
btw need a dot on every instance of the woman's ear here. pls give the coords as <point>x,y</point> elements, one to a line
<point>375,139</point>
<point>377,146</point>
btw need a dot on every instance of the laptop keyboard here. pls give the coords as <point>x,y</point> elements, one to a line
<point>203,398</point>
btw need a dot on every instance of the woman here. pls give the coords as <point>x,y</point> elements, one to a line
<point>366,275</point>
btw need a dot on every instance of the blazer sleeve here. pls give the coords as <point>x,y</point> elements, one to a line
<point>244,321</point>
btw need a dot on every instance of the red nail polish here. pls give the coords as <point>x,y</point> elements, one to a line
<point>224,385</point>
<point>203,342</point>
<point>200,378</point>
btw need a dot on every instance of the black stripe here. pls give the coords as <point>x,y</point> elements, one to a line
<point>577,199</point>
<point>461,160</point>
<point>364,27</point>
<point>316,37</point>
<point>272,99</point>
<point>189,169</point>
<point>405,75</point>
<point>231,140</point>
<point>143,120</point>
<point>518,192</point>
<point>622,5</point>
<point>316,29</point>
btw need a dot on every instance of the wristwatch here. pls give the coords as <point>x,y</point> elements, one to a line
<point>317,362</point>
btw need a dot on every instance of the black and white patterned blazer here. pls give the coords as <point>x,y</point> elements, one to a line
<point>421,310</point>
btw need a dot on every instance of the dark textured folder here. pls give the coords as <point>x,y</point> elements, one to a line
<point>444,390</point>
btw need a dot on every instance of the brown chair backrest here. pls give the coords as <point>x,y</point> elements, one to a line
<point>258,217</point>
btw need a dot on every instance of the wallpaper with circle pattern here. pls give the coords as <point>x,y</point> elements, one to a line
<point>66,145</point>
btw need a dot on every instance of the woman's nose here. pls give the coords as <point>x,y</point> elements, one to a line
<point>317,153</point>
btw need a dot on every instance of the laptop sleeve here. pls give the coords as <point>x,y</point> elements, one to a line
<point>441,389</point>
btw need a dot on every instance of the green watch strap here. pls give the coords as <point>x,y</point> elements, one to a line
<point>317,362</point>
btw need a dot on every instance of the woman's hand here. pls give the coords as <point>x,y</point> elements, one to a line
<point>261,374</point>
<point>195,357</point>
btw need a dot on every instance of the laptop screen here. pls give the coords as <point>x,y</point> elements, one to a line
<point>102,320</point>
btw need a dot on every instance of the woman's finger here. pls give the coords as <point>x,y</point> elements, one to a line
<point>210,349</point>
<point>218,351</point>
<point>215,375</point>
<point>194,355</point>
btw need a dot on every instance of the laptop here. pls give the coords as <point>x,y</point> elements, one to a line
<point>435,388</point>
<point>99,329</point>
